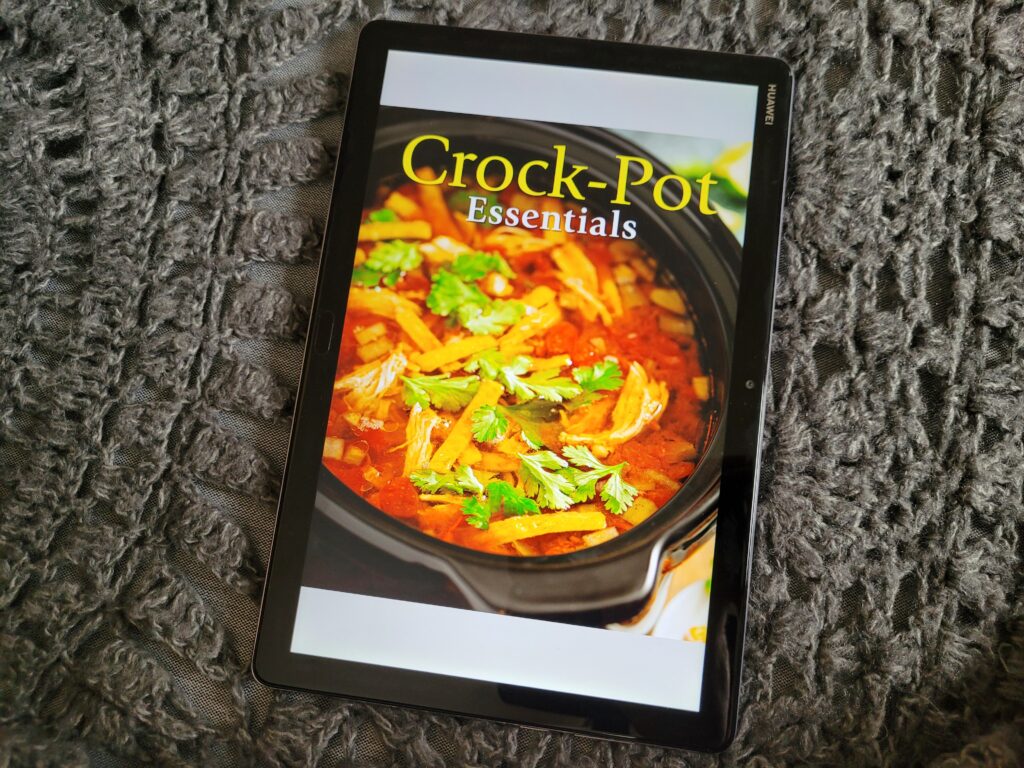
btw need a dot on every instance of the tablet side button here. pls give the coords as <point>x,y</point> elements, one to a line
<point>324,332</point>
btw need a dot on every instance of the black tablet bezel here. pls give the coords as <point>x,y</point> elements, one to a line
<point>710,729</point>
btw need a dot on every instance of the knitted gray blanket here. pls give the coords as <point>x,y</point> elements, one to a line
<point>164,176</point>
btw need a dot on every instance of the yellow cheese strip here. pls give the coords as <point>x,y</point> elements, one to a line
<point>528,526</point>
<point>531,325</point>
<point>461,434</point>
<point>392,230</point>
<point>497,462</point>
<point>539,296</point>
<point>449,353</point>
<point>418,331</point>
<point>403,206</point>
<point>612,297</point>
<point>380,301</point>
<point>470,456</point>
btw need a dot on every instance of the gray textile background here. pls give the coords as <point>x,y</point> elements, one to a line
<point>163,180</point>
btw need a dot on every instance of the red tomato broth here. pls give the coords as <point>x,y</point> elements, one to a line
<point>635,337</point>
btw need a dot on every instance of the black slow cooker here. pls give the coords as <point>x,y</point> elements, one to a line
<point>696,252</point>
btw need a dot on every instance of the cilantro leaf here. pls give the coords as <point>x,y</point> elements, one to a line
<point>453,290</point>
<point>511,502</point>
<point>394,255</point>
<point>473,266</point>
<point>617,494</point>
<point>476,513</point>
<point>389,261</point>
<point>552,489</point>
<point>462,480</point>
<point>489,363</point>
<point>489,424</point>
<point>449,292</point>
<point>493,317</point>
<point>384,214</point>
<point>548,385</point>
<point>536,419</point>
<point>510,378</point>
<point>499,497</point>
<point>583,400</point>
<point>581,456</point>
<point>365,276</point>
<point>603,375</point>
<point>441,391</point>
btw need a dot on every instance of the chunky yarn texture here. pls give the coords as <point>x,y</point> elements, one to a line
<point>164,177</point>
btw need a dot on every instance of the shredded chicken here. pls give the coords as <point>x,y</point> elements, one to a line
<point>641,402</point>
<point>369,382</point>
<point>513,241</point>
<point>418,447</point>
<point>571,260</point>
<point>589,304</point>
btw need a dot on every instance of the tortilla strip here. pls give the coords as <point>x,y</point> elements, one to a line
<point>394,230</point>
<point>527,526</point>
<point>449,353</point>
<point>416,329</point>
<point>461,434</point>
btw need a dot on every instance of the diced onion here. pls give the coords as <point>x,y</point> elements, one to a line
<point>354,454</point>
<point>624,274</point>
<point>374,350</point>
<point>642,509</point>
<point>675,326</point>
<point>368,333</point>
<point>623,250</point>
<point>632,297</point>
<point>702,387</point>
<point>334,448</point>
<point>600,537</point>
<point>669,299</point>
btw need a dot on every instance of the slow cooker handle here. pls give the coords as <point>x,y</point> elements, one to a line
<point>602,584</point>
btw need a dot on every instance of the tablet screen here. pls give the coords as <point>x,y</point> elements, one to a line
<point>521,465</point>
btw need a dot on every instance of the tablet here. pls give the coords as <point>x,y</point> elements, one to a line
<point>523,466</point>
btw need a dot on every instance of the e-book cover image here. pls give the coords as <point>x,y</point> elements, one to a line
<point>528,407</point>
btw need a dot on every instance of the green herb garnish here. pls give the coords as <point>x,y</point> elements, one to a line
<point>542,479</point>
<point>453,291</point>
<point>388,261</point>
<point>499,497</point>
<point>489,424</point>
<point>448,292</point>
<point>383,214</point>
<point>492,318</point>
<point>547,384</point>
<point>603,375</point>
<point>617,494</point>
<point>441,391</point>
<point>534,419</point>
<point>473,266</point>
<point>462,480</point>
